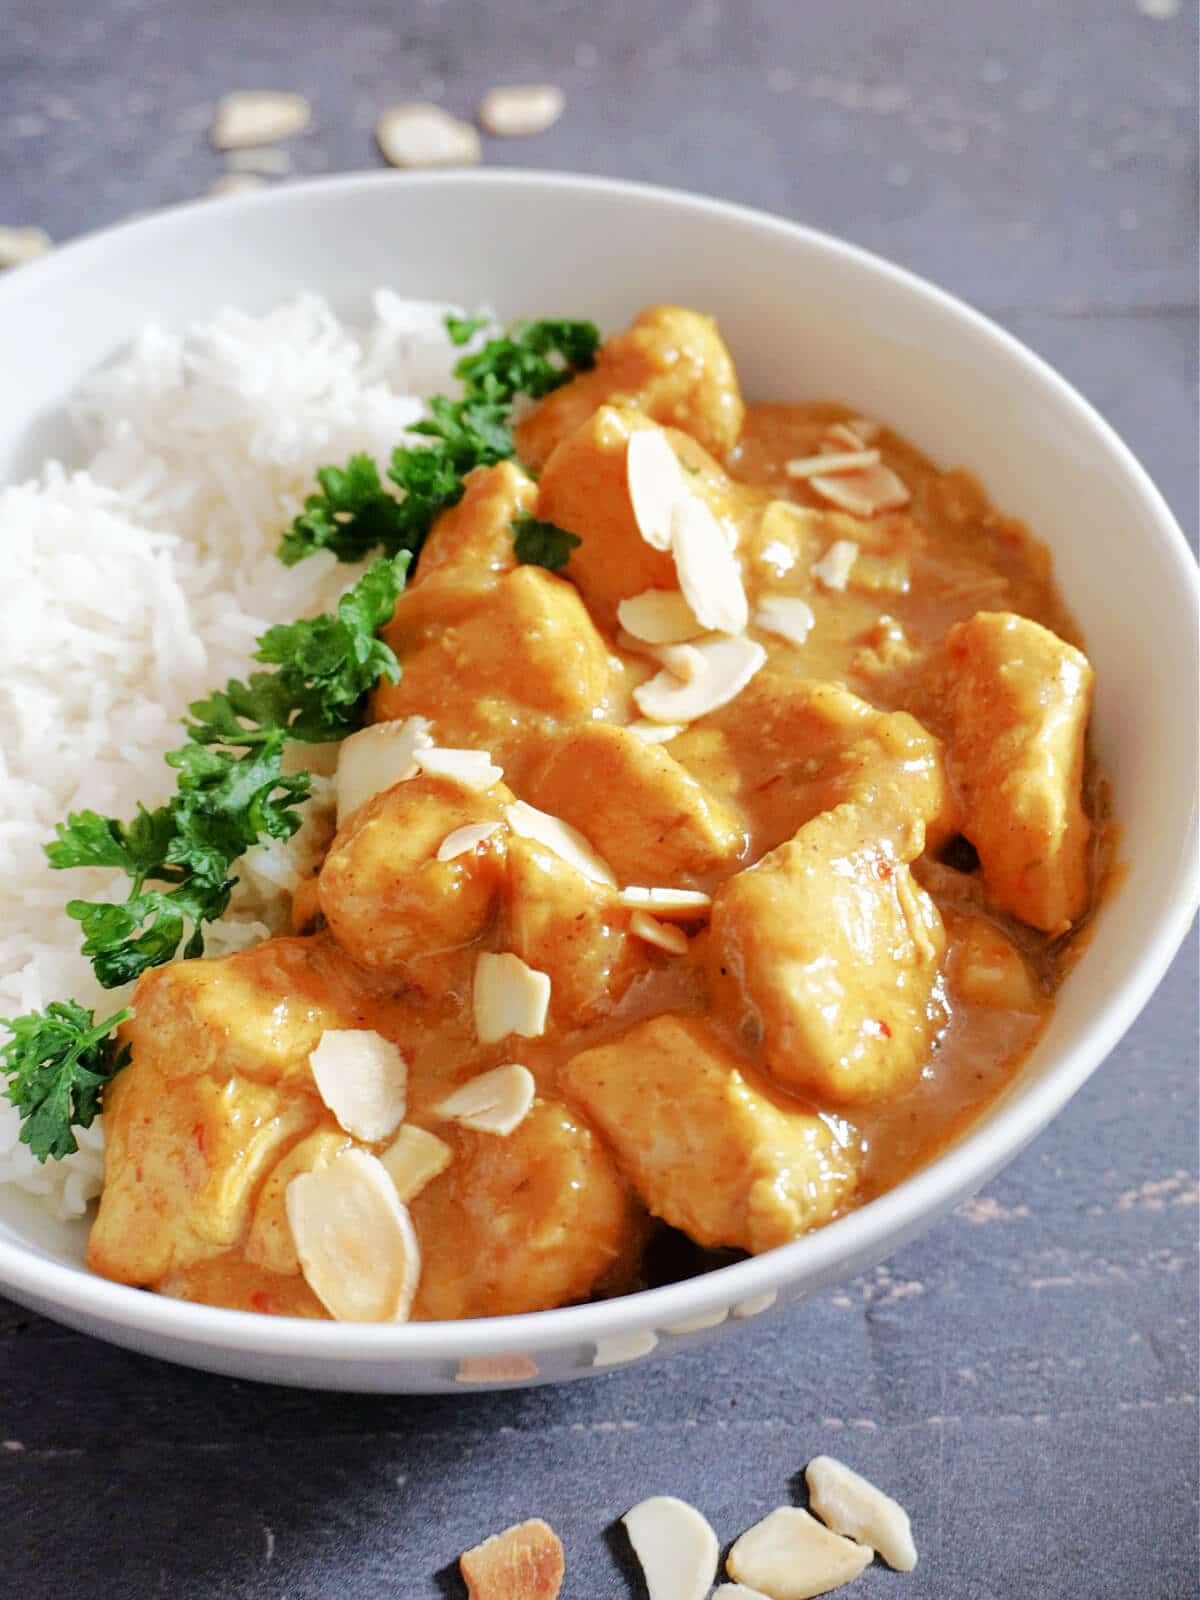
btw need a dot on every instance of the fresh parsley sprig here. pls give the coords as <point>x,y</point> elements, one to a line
<point>355,511</point>
<point>57,1062</point>
<point>542,544</point>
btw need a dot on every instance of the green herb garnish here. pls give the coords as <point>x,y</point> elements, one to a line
<point>57,1062</point>
<point>542,544</point>
<point>356,512</point>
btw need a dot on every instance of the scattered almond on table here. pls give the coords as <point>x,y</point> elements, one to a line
<point>416,133</point>
<point>515,111</point>
<point>258,117</point>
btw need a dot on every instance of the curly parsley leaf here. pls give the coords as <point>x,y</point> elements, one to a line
<point>356,513</point>
<point>353,513</point>
<point>87,839</point>
<point>463,329</point>
<point>57,1062</point>
<point>542,544</point>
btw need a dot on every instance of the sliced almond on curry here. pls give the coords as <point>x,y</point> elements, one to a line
<point>565,841</point>
<point>414,1159</point>
<point>363,1079</point>
<point>354,1239</point>
<point>707,568</point>
<point>656,482</point>
<point>676,1547</point>
<point>662,934</point>
<point>863,494</point>
<point>786,616</point>
<point>375,758</point>
<point>509,997</point>
<point>865,428</point>
<point>851,1505</point>
<point>728,664</point>
<point>656,732</point>
<point>658,616</point>
<point>524,1562</point>
<point>495,1102</point>
<point>842,436</point>
<point>683,903</point>
<point>470,769</point>
<point>682,661</point>
<point>465,839</point>
<point>833,570</point>
<point>830,462</point>
<point>791,1556</point>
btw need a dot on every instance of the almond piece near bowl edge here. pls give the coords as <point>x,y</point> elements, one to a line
<point>852,1505</point>
<point>676,1547</point>
<point>525,1562</point>
<point>791,1556</point>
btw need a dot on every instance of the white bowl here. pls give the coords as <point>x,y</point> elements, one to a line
<point>806,317</point>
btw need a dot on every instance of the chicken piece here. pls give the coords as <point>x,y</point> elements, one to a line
<point>389,901</point>
<point>829,949</point>
<point>707,1145</point>
<point>793,747</point>
<point>496,670</point>
<point>672,364</point>
<point>643,811</point>
<point>521,1223</point>
<point>257,1014</point>
<point>985,968</point>
<point>269,1243</point>
<point>183,1161</point>
<point>572,929</point>
<point>472,543</point>
<point>1019,700</point>
<point>585,490</point>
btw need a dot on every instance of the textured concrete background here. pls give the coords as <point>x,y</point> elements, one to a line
<point>1024,1376</point>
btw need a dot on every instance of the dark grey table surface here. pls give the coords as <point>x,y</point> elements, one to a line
<point>1025,1375</point>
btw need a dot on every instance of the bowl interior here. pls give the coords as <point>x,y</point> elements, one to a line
<point>806,318</point>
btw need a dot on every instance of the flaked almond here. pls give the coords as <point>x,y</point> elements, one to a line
<point>736,1591</point>
<point>707,568</point>
<point>728,666</point>
<point>676,1547</point>
<point>363,1079</point>
<point>682,661</point>
<point>863,494</point>
<point>509,997</point>
<point>414,1159</point>
<point>258,116</point>
<point>417,134</point>
<point>833,570</point>
<point>685,904</point>
<point>354,1239</point>
<point>662,934</point>
<point>525,1562</point>
<point>786,616</point>
<point>470,769</point>
<point>866,428</point>
<point>496,1369</point>
<point>828,464</point>
<point>655,481</point>
<point>235,183</point>
<point>619,1348</point>
<point>18,245</point>
<point>851,1505</point>
<point>841,436</point>
<point>260,160</point>
<point>658,616</point>
<point>495,1102</point>
<point>375,758</point>
<point>565,841</point>
<point>517,110</point>
<point>656,732</point>
<point>754,1305</point>
<point>791,1556</point>
<point>465,838</point>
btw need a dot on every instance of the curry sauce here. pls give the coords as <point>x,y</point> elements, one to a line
<point>884,832</point>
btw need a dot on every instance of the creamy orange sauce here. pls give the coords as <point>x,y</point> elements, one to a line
<point>522,664</point>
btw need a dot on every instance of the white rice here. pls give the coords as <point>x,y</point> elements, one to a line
<point>141,582</point>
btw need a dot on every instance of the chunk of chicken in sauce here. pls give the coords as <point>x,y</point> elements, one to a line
<point>829,981</point>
